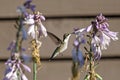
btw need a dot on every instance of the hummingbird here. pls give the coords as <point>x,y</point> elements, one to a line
<point>62,44</point>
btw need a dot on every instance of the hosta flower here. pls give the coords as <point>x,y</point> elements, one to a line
<point>80,39</point>
<point>28,5</point>
<point>100,27</point>
<point>101,34</point>
<point>95,44</point>
<point>80,35</point>
<point>24,34</point>
<point>34,21</point>
<point>14,67</point>
<point>77,54</point>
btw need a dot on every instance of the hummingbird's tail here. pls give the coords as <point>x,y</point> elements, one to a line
<point>55,53</point>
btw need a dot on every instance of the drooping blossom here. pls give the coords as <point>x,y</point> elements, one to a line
<point>101,29</point>
<point>96,49</point>
<point>14,69</point>
<point>24,33</point>
<point>34,21</point>
<point>76,52</point>
<point>78,56</point>
<point>101,34</point>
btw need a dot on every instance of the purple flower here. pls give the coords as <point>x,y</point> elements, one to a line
<point>32,21</point>
<point>77,56</point>
<point>101,35</point>
<point>96,49</point>
<point>80,35</point>
<point>30,6</point>
<point>14,67</point>
<point>104,33</point>
<point>24,34</point>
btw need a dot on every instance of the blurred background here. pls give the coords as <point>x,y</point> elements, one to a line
<point>61,17</point>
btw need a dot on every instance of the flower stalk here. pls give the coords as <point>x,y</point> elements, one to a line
<point>36,57</point>
<point>15,68</point>
<point>18,40</point>
<point>97,36</point>
<point>34,71</point>
<point>91,64</point>
<point>36,30</point>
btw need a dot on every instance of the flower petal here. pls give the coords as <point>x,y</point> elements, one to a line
<point>24,34</point>
<point>77,56</point>
<point>26,67</point>
<point>89,28</point>
<point>31,31</point>
<point>29,21</point>
<point>42,30</point>
<point>105,40</point>
<point>42,17</point>
<point>112,35</point>
<point>24,77</point>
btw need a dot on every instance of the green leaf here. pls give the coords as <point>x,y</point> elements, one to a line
<point>98,76</point>
<point>87,77</point>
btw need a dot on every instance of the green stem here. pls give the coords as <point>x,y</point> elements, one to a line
<point>91,66</point>
<point>34,71</point>
<point>18,44</point>
<point>91,61</point>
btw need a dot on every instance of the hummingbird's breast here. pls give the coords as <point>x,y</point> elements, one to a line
<point>63,47</point>
<point>64,44</point>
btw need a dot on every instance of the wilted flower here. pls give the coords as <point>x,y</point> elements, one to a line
<point>14,70</point>
<point>35,52</point>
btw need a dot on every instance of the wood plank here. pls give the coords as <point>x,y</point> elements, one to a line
<point>58,27</point>
<point>63,7</point>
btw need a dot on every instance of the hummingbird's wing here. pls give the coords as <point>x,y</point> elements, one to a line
<point>55,53</point>
<point>54,38</point>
